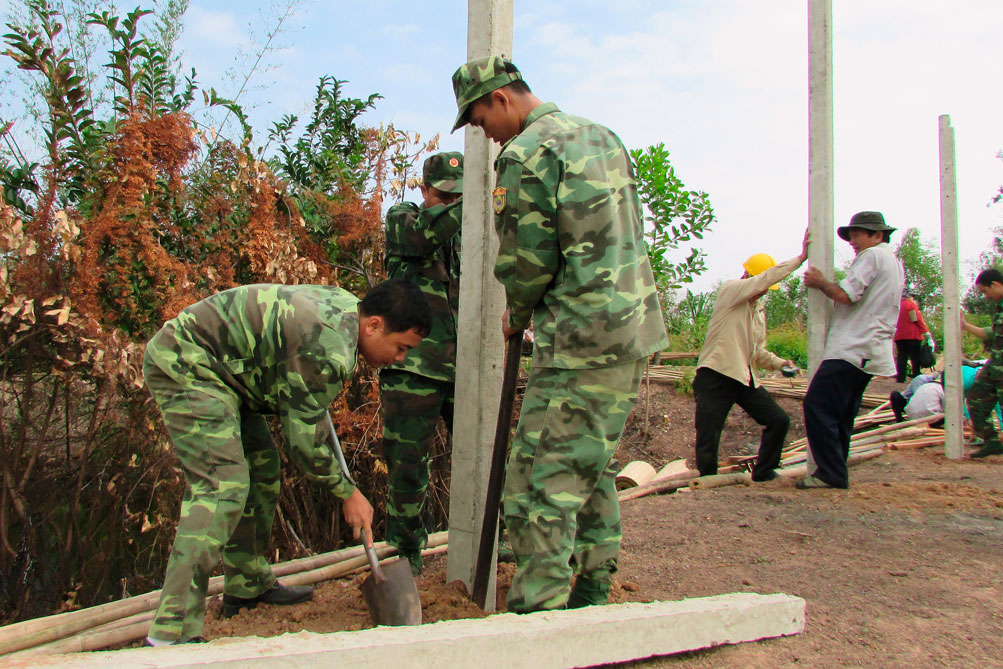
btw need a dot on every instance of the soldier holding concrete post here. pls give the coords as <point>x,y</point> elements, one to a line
<point>572,259</point>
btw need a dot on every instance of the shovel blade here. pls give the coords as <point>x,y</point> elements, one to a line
<point>394,600</point>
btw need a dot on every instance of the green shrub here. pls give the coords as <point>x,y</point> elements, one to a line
<point>790,342</point>
<point>684,384</point>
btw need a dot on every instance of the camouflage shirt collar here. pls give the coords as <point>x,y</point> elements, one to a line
<point>538,111</point>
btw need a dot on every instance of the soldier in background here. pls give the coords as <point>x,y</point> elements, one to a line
<point>214,371</point>
<point>987,388</point>
<point>571,258</point>
<point>423,246</point>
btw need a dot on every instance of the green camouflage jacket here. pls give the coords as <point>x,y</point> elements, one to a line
<point>572,255</point>
<point>284,350</point>
<point>423,245</point>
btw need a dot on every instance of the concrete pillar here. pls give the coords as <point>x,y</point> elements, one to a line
<point>953,394</point>
<point>820,175</point>
<point>480,349</point>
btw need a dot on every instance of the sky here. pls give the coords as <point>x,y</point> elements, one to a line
<point>722,83</point>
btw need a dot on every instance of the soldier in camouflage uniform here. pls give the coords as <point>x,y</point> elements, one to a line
<point>572,258</point>
<point>214,371</point>
<point>987,389</point>
<point>423,245</point>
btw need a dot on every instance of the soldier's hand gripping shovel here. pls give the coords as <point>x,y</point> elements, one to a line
<point>390,591</point>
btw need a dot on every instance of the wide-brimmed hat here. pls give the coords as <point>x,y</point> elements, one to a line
<point>868,220</point>
<point>444,171</point>
<point>476,79</point>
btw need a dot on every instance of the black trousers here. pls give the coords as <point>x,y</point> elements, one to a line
<point>906,351</point>
<point>830,406</point>
<point>715,394</point>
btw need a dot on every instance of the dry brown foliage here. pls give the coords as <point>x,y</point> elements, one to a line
<point>79,296</point>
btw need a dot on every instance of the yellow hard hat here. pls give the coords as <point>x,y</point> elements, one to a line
<point>759,263</point>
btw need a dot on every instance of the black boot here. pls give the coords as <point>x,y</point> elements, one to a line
<point>986,450</point>
<point>588,592</point>
<point>278,594</point>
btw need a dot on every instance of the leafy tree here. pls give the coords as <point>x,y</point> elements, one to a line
<point>686,318</point>
<point>675,216</point>
<point>922,264</point>
<point>973,302</point>
<point>332,150</point>
<point>788,304</point>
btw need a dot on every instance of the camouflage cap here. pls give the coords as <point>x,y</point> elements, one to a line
<point>478,78</point>
<point>868,220</point>
<point>444,171</point>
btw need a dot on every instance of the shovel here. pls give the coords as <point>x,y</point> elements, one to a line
<point>496,474</point>
<point>390,591</point>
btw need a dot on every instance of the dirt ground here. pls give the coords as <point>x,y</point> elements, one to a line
<point>902,569</point>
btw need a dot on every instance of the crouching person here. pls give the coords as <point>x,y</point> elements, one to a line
<point>215,371</point>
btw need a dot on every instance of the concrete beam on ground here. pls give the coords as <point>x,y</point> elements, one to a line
<point>953,392</point>
<point>820,175</point>
<point>480,349</point>
<point>575,638</point>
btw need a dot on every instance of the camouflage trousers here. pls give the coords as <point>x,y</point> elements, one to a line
<point>231,467</point>
<point>412,405</point>
<point>981,398</point>
<point>560,504</point>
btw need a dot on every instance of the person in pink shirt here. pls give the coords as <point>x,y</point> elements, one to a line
<point>909,334</point>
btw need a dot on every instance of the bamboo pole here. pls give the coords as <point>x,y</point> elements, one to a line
<point>656,486</point>
<point>719,480</point>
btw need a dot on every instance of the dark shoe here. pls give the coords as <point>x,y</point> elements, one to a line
<point>811,482</point>
<point>588,592</point>
<point>987,450</point>
<point>898,402</point>
<point>278,594</point>
<point>768,475</point>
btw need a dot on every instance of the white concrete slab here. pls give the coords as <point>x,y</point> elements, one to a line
<point>580,637</point>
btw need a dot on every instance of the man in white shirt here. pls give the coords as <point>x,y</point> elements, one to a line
<point>735,342</point>
<point>858,345</point>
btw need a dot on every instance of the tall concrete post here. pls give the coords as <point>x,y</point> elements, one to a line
<point>953,392</point>
<point>820,174</point>
<point>480,349</point>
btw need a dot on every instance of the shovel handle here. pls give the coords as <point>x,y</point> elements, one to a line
<point>374,561</point>
<point>336,447</point>
<point>489,526</point>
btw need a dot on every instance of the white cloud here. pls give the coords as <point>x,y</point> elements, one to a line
<point>215,29</point>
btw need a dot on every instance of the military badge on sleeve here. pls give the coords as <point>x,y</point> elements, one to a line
<point>498,199</point>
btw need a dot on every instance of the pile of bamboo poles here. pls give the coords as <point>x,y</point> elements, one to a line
<point>735,470</point>
<point>778,387</point>
<point>128,620</point>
